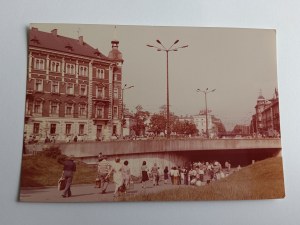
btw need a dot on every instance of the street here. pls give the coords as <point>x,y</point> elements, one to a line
<point>86,193</point>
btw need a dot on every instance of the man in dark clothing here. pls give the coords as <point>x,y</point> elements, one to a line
<point>69,169</point>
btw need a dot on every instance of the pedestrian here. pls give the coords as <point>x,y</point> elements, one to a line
<point>166,175</point>
<point>172,174</point>
<point>75,138</point>
<point>155,174</point>
<point>176,176</point>
<point>116,169</point>
<point>100,155</point>
<point>98,179</point>
<point>179,178</point>
<point>126,174</point>
<point>186,176</point>
<point>68,172</point>
<point>145,177</point>
<point>103,170</point>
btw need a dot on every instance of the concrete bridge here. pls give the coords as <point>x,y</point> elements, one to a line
<point>176,152</point>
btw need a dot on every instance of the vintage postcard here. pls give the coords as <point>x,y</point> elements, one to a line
<point>145,113</point>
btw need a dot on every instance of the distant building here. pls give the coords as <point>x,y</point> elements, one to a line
<point>186,118</point>
<point>73,90</point>
<point>266,120</point>
<point>239,129</point>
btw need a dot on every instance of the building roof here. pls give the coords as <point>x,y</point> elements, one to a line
<point>260,97</point>
<point>115,54</point>
<point>53,41</point>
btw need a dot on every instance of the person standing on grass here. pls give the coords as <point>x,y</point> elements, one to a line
<point>172,174</point>
<point>145,177</point>
<point>185,176</point>
<point>68,172</point>
<point>116,169</point>
<point>103,170</point>
<point>176,176</point>
<point>98,179</point>
<point>166,175</point>
<point>155,174</point>
<point>126,174</point>
<point>179,178</point>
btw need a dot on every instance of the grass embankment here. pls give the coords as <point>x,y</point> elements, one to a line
<point>40,170</point>
<point>262,180</point>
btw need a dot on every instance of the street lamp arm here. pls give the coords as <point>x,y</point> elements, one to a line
<point>206,91</point>
<point>199,90</point>
<point>153,46</point>
<point>158,41</point>
<point>176,49</point>
<point>175,42</point>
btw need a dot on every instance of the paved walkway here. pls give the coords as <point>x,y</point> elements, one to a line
<point>86,193</point>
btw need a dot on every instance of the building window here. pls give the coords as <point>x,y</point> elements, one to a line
<point>99,112</point>
<point>81,129</point>
<point>54,108</point>
<point>37,107</point>
<point>82,110</point>
<point>55,66</point>
<point>83,90</point>
<point>38,85</point>
<point>115,77</point>
<point>55,87</point>
<point>100,92</point>
<point>36,128</point>
<point>114,130</point>
<point>53,128</point>
<point>115,112</point>
<point>68,129</point>
<point>70,68</point>
<point>100,73</point>
<point>70,89</point>
<point>69,109</point>
<point>83,71</point>
<point>116,93</point>
<point>39,64</point>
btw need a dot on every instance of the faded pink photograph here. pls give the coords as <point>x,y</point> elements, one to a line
<point>144,113</point>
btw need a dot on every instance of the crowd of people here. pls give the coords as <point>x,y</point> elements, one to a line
<point>196,173</point>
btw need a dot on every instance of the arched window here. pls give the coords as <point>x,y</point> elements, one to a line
<point>57,67</point>
<point>72,69</point>
<point>53,66</point>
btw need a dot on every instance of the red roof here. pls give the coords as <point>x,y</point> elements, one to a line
<point>53,41</point>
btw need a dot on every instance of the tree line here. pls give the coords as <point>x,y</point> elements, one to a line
<point>157,123</point>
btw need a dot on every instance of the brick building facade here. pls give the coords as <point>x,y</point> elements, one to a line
<point>266,120</point>
<point>73,90</point>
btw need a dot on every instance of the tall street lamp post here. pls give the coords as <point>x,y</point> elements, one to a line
<point>167,50</point>
<point>125,87</point>
<point>206,91</point>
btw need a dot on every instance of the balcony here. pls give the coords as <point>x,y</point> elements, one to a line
<point>98,118</point>
<point>101,98</point>
<point>28,115</point>
<point>29,92</point>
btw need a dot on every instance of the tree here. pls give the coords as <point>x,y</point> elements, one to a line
<point>158,123</point>
<point>140,118</point>
<point>185,128</point>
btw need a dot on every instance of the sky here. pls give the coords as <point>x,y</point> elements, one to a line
<point>238,63</point>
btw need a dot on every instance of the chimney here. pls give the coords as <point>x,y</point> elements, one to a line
<point>54,32</point>
<point>81,40</point>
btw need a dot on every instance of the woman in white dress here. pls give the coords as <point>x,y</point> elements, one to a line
<point>116,169</point>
